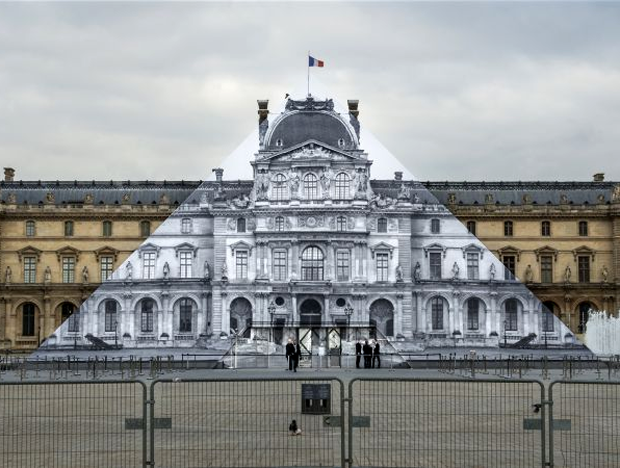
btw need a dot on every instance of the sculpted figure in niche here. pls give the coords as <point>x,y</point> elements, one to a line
<point>325,184</point>
<point>492,271</point>
<point>224,270</point>
<point>455,271</point>
<point>604,274</point>
<point>85,274</point>
<point>49,197</point>
<point>262,185</point>
<point>47,275</point>
<point>166,270</point>
<point>404,192</point>
<point>8,275</point>
<point>294,184</point>
<point>615,196</point>
<point>207,271</point>
<point>399,273</point>
<point>417,272</point>
<point>529,274</point>
<point>128,271</point>
<point>567,274</point>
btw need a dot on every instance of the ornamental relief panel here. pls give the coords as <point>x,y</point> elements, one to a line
<point>312,221</point>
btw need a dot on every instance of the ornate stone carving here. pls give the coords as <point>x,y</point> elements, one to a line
<point>293,181</point>
<point>371,224</point>
<point>361,184</point>
<point>404,193</point>
<point>604,274</point>
<point>166,270</point>
<point>207,271</point>
<point>399,273</point>
<point>242,201</point>
<point>49,198</point>
<point>492,271</point>
<point>85,274</point>
<point>232,224</point>
<point>417,272</point>
<point>451,198</point>
<point>567,274</point>
<point>310,104</point>
<point>126,198</point>
<point>251,225</point>
<point>164,199</point>
<point>8,275</point>
<point>455,271</point>
<point>615,196</point>
<point>381,201</point>
<point>529,274</point>
<point>262,185</point>
<point>88,199</point>
<point>488,198</point>
<point>262,131</point>
<point>128,271</point>
<point>47,275</point>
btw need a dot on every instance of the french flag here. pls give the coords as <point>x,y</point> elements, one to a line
<point>312,62</point>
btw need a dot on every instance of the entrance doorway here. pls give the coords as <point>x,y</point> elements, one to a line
<point>310,314</point>
<point>309,330</point>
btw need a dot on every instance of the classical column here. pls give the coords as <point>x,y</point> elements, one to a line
<point>420,322</point>
<point>330,262</point>
<point>495,316</point>
<point>398,318</point>
<point>295,273</point>
<point>126,317</point>
<point>454,317</point>
<point>224,313</point>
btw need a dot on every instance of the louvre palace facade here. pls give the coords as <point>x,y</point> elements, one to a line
<point>312,247</point>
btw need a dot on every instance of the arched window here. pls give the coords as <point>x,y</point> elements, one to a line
<point>279,223</point>
<point>311,187</point>
<point>584,313</point>
<point>511,309</point>
<point>68,228</point>
<point>382,225</point>
<point>28,319</point>
<point>343,184</point>
<point>341,223</point>
<point>471,227</point>
<point>312,264</point>
<point>106,228</point>
<point>145,228</point>
<point>146,315</point>
<point>437,313</point>
<point>30,228</point>
<point>67,310</point>
<point>473,307</point>
<point>548,317</point>
<point>240,224</point>
<point>186,226</point>
<point>185,315</point>
<point>280,188</point>
<point>110,308</point>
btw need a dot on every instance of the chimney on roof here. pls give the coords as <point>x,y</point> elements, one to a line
<point>9,174</point>
<point>263,110</point>
<point>398,175</point>
<point>353,107</point>
<point>219,172</point>
<point>599,177</point>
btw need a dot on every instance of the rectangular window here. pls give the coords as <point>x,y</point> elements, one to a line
<point>107,228</point>
<point>435,227</point>
<point>30,228</point>
<point>107,266</point>
<point>242,264</point>
<point>110,316</point>
<point>30,269</point>
<point>68,228</point>
<point>583,228</point>
<point>185,263</point>
<point>546,269</point>
<point>148,265</point>
<point>382,266</point>
<point>437,314</point>
<point>584,269</point>
<point>508,228</point>
<point>342,265</point>
<point>68,269</point>
<point>509,267</point>
<point>471,227</point>
<point>435,265</point>
<point>279,265</point>
<point>545,228</point>
<point>28,319</point>
<point>185,317</point>
<point>472,266</point>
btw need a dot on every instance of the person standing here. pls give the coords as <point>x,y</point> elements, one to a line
<point>367,354</point>
<point>376,355</point>
<point>290,354</point>
<point>358,353</point>
<point>297,356</point>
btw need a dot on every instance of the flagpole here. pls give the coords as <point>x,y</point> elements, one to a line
<point>308,63</point>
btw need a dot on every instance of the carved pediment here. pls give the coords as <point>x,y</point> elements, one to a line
<point>583,251</point>
<point>148,247</point>
<point>382,246</point>
<point>435,247</point>
<point>185,246</point>
<point>107,250</point>
<point>29,251</point>
<point>312,150</point>
<point>241,245</point>
<point>546,250</point>
<point>473,248</point>
<point>509,250</point>
<point>68,251</point>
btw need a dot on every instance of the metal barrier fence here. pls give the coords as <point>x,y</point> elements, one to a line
<point>239,423</point>
<point>447,424</point>
<point>72,425</point>
<point>244,423</point>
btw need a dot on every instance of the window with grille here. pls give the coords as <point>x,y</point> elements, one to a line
<point>508,228</point>
<point>341,223</point>
<point>511,309</point>
<point>434,259</point>
<point>584,269</point>
<point>146,316</point>
<point>185,316</point>
<point>68,269</point>
<point>437,313</point>
<point>110,316</point>
<point>546,269</point>
<point>583,228</point>
<point>343,182</point>
<point>145,228</point>
<point>545,228</point>
<point>311,187</point>
<point>435,226</point>
<point>473,308</point>
<point>30,269</point>
<point>30,228</point>
<point>509,262</point>
<point>342,265</point>
<point>185,264</point>
<point>279,191</point>
<point>68,228</point>
<point>241,263</point>
<point>186,226</point>
<point>279,223</point>
<point>28,319</point>
<point>471,227</point>
<point>106,228</point>
<point>382,266</point>
<point>473,266</point>
<point>148,265</point>
<point>279,265</point>
<point>382,225</point>
<point>312,264</point>
<point>106,263</point>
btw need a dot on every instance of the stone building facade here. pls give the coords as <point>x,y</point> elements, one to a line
<point>312,247</point>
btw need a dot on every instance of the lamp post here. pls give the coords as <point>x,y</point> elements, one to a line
<point>505,338</point>
<point>348,311</point>
<point>116,334</point>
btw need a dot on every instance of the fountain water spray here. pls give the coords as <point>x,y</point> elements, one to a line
<point>603,333</point>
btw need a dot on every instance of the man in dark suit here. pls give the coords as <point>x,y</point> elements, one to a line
<point>367,354</point>
<point>290,354</point>
<point>297,356</point>
<point>376,355</point>
<point>358,353</point>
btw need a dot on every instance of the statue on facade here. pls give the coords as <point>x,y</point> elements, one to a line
<point>455,271</point>
<point>242,201</point>
<point>166,270</point>
<point>451,198</point>
<point>293,182</point>
<point>128,271</point>
<point>88,198</point>
<point>262,130</point>
<point>207,271</point>
<point>47,275</point>
<point>417,272</point>
<point>8,275</point>
<point>399,273</point>
<point>361,184</point>
<point>492,271</point>
<point>224,271</point>
<point>262,185</point>
<point>85,274</point>
<point>529,274</point>
<point>325,184</point>
<point>604,274</point>
<point>164,199</point>
<point>488,198</point>
<point>404,193</point>
<point>49,198</point>
<point>615,196</point>
<point>567,274</point>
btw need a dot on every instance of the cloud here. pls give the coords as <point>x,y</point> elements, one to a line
<point>166,91</point>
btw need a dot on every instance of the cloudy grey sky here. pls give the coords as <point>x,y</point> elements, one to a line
<point>465,91</point>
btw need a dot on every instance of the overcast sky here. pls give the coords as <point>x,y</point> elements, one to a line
<point>465,91</point>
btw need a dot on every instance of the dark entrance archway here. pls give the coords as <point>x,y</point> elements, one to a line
<point>310,313</point>
<point>309,333</point>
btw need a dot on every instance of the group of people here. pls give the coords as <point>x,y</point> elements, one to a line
<point>371,352</point>
<point>293,353</point>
